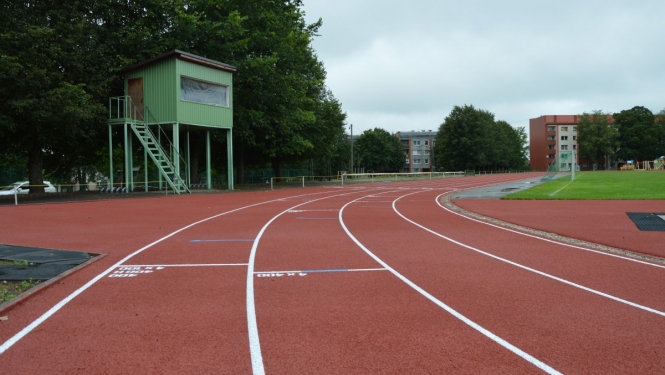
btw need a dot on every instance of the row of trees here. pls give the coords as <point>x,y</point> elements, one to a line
<point>58,61</point>
<point>634,133</point>
<point>471,139</point>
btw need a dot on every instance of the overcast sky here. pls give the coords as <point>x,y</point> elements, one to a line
<point>403,65</point>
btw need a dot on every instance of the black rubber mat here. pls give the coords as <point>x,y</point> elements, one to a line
<point>34,272</point>
<point>44,263</point>
<point>42,256</point>
<point>648,221</point>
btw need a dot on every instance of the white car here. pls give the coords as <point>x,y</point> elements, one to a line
<point>23,187</point>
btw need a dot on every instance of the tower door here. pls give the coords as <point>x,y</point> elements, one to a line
<point>135,89</point>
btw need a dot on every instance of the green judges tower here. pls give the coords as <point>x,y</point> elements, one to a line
<point>166,97</point>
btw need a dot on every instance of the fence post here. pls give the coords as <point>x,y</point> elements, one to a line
<point>271,182</point>
<point>303,181</point>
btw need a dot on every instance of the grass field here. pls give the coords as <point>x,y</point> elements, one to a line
<point>600,185</point>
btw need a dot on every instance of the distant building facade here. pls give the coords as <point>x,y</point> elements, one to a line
<point>552,134</point>
<point>419,149</point>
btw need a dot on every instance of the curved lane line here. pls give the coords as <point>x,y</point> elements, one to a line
<point>545,239</point>
<point>597,292</point>
<point>18,336</point>
<point>252,326</point>
<point>531,359</point>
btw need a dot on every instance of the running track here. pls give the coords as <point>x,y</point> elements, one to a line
<point>365,279</point>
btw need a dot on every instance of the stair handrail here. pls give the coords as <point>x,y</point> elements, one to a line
<point>172,148</point>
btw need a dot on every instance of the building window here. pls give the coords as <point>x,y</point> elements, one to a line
<point>574,147</point>
<point>551,138</point>
<point>564,137</point>
<point>416,143</point>
<point>550,156</point>
<point>563,165</point>
<point>192,90</point>
<point>564,147</point>
<point>574,128</point>
<point>415,152</point>
<point>407,161</point>
<point>426,161</point>
<point>416,161</point>
<point>426,152</point>
<point>551,147</point>
<point>416,169</point>
<point>426,143</point>
<point>550,128</point>
<point>564,128</point>
<point>574,138</point>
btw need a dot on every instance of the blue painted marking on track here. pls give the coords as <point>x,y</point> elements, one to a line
<point>330,270</point>
<point>226,240</point>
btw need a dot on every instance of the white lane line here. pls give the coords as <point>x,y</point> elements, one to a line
<point>18,336</point>
<point>531,359</point>
<point>325,271</point>
<point>295,211</point>
<point>252,326</point>
<point>594,291</point>
<point>438,198</point>
<point>184,265</point>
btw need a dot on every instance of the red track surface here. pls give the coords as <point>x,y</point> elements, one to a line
<point>193,318</point>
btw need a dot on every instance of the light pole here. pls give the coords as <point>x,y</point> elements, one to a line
<point>351,148</point>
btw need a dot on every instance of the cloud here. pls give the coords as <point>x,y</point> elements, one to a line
<point>404,67</point>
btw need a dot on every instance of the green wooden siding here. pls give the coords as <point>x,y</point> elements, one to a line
<point>160,90</point>
<point>161,94</point>
<point>204,114</point>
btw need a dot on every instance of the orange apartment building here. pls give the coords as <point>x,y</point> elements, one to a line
<point>553,133</point>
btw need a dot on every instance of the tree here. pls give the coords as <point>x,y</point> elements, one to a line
<point>48,85</point>
<point>470,138</point>
<point>597,135</point>
<point>379,151</point>
<point>461,142</point>
<point>640,134</point>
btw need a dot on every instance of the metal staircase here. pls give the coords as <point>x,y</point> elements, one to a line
<point>159,156</point>
<point>123,110</point>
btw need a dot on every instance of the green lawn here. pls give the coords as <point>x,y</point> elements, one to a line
<point>600,185</point>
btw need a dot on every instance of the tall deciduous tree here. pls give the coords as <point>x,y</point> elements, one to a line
<point>470,138</point>
<point>379,151</point>
<point>48,80</point>
<point>639,134</point>
<point>598,135</point>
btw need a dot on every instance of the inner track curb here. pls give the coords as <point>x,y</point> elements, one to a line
<point>549,235</point>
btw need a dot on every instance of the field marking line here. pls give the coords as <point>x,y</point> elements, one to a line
<point>541,273</point>
<point>184,265</point>
<point>27,329</point>
<point>326,270</point>
<point>547,239</point>
<point>529,358</point>
<point>252,326</point>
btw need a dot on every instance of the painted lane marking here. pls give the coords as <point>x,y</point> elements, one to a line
<point>305,272</point>
<point>541,365</point>
<point>375,206</point>
<point>18,336</point>
<point>189,265</point>
<point>315,218</point>
<point>226,240</point>
<point>546,239</point>
<point>296,211</point>
<point>133,271</point>
<point>579,286</point>
<point>252,326</point>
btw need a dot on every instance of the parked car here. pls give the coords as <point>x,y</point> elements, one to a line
<point>23,187</point>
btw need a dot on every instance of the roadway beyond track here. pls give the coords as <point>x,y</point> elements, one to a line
<point>365,279</point>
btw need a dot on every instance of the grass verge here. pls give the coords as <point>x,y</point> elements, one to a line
<point>12,289</point>
<point>600,185</point>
